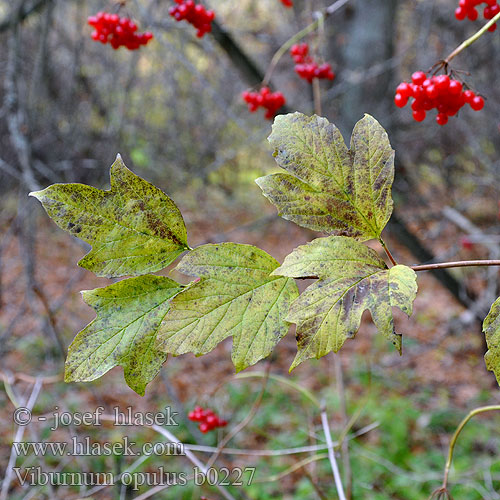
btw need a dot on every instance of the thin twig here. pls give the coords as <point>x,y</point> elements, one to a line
<point>461,263</point>
<point>331,456</point>
<point>472,39</point>
<point>17,438</point>
<point>346,463</point>
<point>453,442</point>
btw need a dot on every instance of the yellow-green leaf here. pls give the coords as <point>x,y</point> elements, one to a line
<point>235,296</point>
<point>134,228</point>
<point>353,278</point>
<point>328,187</point>
<point>129,314</point>
<point>491,329</point>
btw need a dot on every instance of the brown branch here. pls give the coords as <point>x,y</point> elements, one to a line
<point>461,263</point>
<point>436,266</point>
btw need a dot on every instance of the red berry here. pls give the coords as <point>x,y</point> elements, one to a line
<point>442,82</point>
<point>466,243</point>
<point>442,119</point>
<point>418,77</point>
<point>432,91</point>
<point>477,103</point>
<point>419,115</point>
<point>404,89</point>
<point>400,100</point>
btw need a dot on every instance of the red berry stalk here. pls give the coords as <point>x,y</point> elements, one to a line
<point>467,9</point>
<point>306,67</point>
<point>287,3</point>
<point>118,31</point>
<point>441,92</point>
<point>207,419</point>
<point>271,101</point>
<point>193,13</point>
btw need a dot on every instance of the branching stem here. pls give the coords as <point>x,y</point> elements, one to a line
<point>472,39</point>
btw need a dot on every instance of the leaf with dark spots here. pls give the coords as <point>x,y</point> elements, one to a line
<point>134,228</point>
<point>235,296</point>
<point>352,279</point>
<point>491,329</point>
<point>328,187</point>
<point>129,314</point>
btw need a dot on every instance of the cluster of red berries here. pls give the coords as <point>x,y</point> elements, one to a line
<point>193,13</point>
<point>441,92</point>
<point>467,8</point>
<point>118,31</point>
<point>306,67</point>
<point>287,3</point>
<point>207,419</point>
<point>271,101</point>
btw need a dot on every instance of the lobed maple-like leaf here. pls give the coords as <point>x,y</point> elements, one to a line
<point>129,314</point>
<point>134,228</point>
<point>352,278</point>
<point>235,296</point>
<point>491,329</point>
<point>329,187</point>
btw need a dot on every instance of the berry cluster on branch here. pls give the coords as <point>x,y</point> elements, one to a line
<point>270,101</point>
<point>306,67</point>
<point>441,92</point>
<point>195,14</point>
<point>468,9</point>
<point>117,31</point>
<point>206,418</point>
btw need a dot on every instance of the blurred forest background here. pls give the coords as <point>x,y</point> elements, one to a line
<point>173,109</point>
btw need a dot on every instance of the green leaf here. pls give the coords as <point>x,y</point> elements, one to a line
<point>352,278</point>
<point>236,296</point>
<point>134,228</point>
<point>328,187</point>
<point>129,314</point>
<point>491,329</point>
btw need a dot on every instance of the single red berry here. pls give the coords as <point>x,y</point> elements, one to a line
<point>460,13</point>
<point>455,87</point>
<point>442,82</point>
<point>400,101</point>
<point>442,119</point>
<point>418,77</point>
<point>477,103</point>
<point>404,89</point>
<point>419,115</point>
<point>466,243</point>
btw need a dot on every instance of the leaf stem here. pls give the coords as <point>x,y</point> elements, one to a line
<point>387,251</point>
<point>476,411</point>
<point>461,263</point>
<point>472,39</point>
<point>298,36</point>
